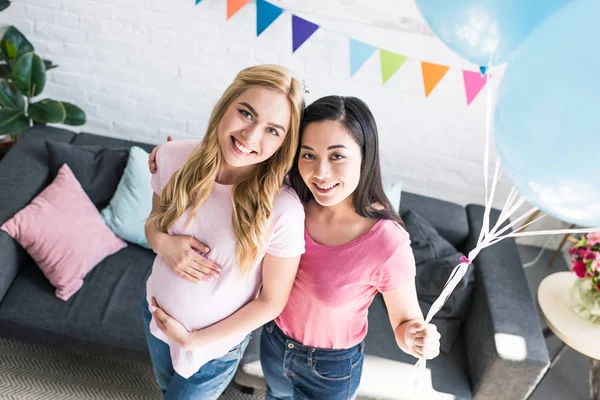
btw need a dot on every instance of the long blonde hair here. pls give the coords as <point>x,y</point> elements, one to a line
<point>253,197</point>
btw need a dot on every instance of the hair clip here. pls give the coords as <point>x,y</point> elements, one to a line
<point>465,260</point>
<point>305,87</point>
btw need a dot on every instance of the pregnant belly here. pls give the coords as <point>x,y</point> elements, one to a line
<point>197,305</point>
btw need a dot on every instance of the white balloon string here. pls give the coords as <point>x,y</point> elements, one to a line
<point>486,150</point>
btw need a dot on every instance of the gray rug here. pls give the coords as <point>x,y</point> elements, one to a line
<point>30,372</point>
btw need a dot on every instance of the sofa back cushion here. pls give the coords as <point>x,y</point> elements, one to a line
<point>97,169</point>
<point>436,258</point>
<point>449,219</point>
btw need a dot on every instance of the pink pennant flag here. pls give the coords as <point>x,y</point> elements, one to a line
<point>474,82</point>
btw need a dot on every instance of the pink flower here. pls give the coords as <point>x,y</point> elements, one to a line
<point>582,251</point>
<point>590,255</point>
<point>579,268</point>
<point>593,238</point>
<point>572,251</point>
<point>596,265</point>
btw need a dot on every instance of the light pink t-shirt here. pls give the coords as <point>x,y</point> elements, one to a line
<point>198,305</point>
<point>335,286</point>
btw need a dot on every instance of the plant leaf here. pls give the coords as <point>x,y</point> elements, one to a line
<point>75,115</point>
<point>9,50</point>
<point>4,4</point>
<point>47,111</point>
<point>11,96</point>
<point>49,65</point>
<point>4,71</point>
<point>13,121</point>
<point>29,74</point>
<point>19,40</point>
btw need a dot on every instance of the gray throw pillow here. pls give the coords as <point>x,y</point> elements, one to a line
<point>98,169</point>
<point>436,258</point>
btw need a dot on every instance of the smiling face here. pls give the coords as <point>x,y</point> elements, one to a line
<point>330,162</point>
<point>254,127</point>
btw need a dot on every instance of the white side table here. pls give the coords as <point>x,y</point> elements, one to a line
<point>554,298</point>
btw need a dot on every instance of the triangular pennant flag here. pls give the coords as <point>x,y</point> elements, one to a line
<point>390,63</point>
<point>198,1</point>
<point>301,31</point>
<point>432,75</point>
<point>474,82</point>
<point>266,14</point>
<point>234,6</point>
<point>359,53</point>
<point>482,69</point>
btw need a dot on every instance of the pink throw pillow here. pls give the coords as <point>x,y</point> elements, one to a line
<point>63,232</point>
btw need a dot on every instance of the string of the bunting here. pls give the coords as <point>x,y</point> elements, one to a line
<point>360,52</point>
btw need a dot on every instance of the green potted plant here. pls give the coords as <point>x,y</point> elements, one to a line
<point>22,80</point>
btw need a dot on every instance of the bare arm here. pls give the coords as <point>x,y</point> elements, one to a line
<point>278,278</point>
<point>412,335</point>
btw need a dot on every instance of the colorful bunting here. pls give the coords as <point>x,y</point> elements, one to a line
<point>390,63</point>
<point>432,75</point>
<point>474,82</point>
<point>266,14</point>
<point>360,52</point>
<point>233,6</point>
<point>301,31</point>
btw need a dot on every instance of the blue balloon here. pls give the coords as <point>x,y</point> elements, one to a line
<point>485,32</point>
<point>547,119</point>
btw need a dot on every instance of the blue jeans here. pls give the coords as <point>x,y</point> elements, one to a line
<point>295,371</point>
<point>206,384</point>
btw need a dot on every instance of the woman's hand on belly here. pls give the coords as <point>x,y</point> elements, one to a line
<point>183,255</point>
<point>170,326</point>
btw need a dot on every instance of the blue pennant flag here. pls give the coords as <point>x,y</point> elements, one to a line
<point>359,53</point>
<point>266,14</point>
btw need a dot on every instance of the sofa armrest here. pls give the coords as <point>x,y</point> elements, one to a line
<point>24,173</point>
<point>506,351</point>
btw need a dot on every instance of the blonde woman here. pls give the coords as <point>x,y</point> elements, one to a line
<point>227,194</point>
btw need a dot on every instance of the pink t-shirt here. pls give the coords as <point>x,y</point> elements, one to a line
<point>335,286</point>
<point>198,305</point>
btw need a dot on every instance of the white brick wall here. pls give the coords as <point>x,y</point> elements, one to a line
<point>147,69</point>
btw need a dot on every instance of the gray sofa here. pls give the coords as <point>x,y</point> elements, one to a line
<point>104,317</point>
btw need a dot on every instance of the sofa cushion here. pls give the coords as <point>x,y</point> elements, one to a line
<point>436,258</point>
<point>449,219</point>
<point>98,169</point>
<point>64,233</point>
<point>106,311</point>
<point>131,204</point>
<point>29,157</point>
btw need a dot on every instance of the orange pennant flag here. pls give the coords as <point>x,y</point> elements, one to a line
<point>432,75</point>
<point>234,6</point>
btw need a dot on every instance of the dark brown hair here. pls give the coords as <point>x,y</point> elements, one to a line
<point>358,120</point>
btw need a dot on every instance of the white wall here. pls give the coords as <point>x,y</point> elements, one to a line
<point>143,70</point>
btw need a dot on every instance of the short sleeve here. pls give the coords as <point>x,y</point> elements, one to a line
<point>287,239</point>
<point>399,267</point>
<point>169,158</point>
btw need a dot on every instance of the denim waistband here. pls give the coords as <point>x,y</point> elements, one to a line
<point>312,352</point>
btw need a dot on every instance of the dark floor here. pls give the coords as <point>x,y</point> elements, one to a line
<point>568,379</point>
